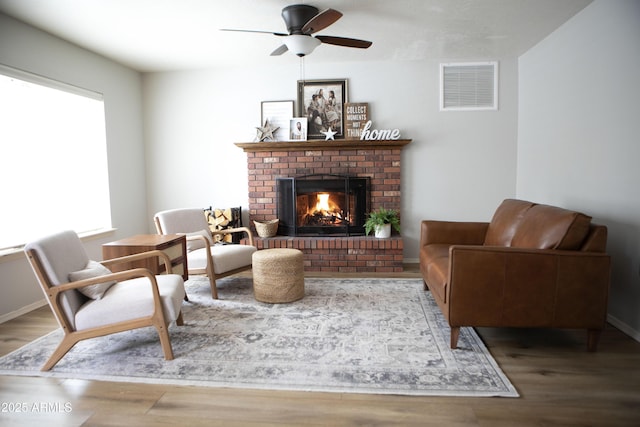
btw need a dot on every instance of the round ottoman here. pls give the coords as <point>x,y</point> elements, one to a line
<point>278,275</point>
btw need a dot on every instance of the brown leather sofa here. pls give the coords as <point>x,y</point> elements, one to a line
<point>533,265</point>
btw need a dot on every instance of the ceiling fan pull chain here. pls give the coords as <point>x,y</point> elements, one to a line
<point>302,69</point>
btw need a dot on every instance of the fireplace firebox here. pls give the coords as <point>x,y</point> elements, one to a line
<point>313,205</point>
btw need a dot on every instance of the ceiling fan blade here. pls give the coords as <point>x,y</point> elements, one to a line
<point>255,31</point>
<point>280,50</point>
<point>321,21</point>
<point>343,41</point>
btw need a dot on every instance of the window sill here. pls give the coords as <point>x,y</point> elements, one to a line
<point>16,253</point>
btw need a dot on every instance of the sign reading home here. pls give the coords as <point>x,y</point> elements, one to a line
<point>369,134</point>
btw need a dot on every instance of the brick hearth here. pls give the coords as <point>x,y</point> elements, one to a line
<point>379,160</point>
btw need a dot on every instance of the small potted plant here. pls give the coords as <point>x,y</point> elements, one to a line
<point>380,221</point>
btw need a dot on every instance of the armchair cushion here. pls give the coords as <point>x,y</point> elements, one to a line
<point>131,299</point>
<point>92,269</point>
<point>57,268</point>
<point>225,257</point>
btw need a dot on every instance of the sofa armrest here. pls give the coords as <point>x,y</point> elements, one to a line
<point>494,286</point>
<point>449,232</point>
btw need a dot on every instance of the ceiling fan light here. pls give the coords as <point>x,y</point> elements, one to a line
<point>301,45</point>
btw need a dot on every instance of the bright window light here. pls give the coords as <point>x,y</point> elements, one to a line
<point>54,159</point>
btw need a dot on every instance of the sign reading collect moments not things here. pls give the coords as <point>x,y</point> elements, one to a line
<point>369,134</point>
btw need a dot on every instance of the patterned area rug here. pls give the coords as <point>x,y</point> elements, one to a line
<point>384,336</point>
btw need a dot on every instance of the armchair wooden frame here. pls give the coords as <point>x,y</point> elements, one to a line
<point>72,336</point>
<point>209,270</point>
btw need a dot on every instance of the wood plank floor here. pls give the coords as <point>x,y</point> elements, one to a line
<point>559,382</point>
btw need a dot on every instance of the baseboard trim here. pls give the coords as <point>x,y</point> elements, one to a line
<point>24,310</point>
<point>626,329</point>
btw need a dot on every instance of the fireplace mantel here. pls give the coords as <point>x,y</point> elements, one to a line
<point>321,144</point>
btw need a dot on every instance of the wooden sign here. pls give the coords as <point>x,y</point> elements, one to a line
<point>356,115</point>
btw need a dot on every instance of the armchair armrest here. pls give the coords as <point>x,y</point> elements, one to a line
<point>493,286</point>
<point>449,232</point>
<point>236,230</point>
<point>119,276</point>
<point>141,255</point>
<point>207,242</point>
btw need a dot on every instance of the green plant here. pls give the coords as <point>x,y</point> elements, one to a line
<point>380,217</point>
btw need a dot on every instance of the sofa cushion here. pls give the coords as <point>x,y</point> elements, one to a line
<point>434,261</point>
<point>550,227</point>
<point>505,222</point>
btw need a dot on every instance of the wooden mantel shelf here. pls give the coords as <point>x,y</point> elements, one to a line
<point>321,144</point>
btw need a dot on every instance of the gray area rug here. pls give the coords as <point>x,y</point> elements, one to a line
<point>384,336</point>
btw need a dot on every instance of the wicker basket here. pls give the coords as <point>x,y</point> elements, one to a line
<point>267,228</point>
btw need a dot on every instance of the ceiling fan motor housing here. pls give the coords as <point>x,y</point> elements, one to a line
<point>296,15</point>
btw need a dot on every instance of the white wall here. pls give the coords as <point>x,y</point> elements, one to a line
<point>23,47</point>
<point>578,138</point>
<point>459,165</point>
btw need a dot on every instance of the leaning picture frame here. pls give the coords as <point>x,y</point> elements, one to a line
<point>322,103</point>
<point>298,129</point>
<point>278,114</point>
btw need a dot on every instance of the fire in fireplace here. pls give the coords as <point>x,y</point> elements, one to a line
<point>322,205</point>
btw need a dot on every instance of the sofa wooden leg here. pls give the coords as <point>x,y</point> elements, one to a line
<point>455,333</point>
<point>593,336</point>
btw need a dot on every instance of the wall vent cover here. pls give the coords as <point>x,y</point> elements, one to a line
<point>469,86</point>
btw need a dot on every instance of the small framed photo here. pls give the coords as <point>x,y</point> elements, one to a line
<point>298,129</point>
<point>278,114</point>
<point>322,103</point>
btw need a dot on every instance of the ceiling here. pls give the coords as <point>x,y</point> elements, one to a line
<point>164,35</point>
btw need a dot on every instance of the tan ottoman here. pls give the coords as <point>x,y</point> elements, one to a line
<point>278,275</point>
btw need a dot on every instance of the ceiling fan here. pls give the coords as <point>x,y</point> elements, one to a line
<point>302,21</point>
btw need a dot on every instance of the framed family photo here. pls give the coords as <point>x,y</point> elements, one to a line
<point>322,103</point>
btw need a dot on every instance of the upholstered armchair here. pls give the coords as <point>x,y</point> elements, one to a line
<point>89,301</point>
<point>203,256</point>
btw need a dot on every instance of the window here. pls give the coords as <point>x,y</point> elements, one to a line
<point>54,159</point>
<point>469,86</point>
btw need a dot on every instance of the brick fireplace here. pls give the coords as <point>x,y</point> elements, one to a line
<point>377,160</point>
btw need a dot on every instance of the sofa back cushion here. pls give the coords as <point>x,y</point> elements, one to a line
<point>523,224</point>
<point>550,227</point>
<point>505,222</point>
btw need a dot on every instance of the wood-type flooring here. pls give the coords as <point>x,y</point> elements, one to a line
<point>560,383</point>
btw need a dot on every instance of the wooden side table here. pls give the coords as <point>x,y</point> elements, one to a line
<point>174,245</point>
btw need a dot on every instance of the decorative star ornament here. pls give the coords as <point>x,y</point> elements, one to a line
<point>265,133</point>
<point>329,134</point>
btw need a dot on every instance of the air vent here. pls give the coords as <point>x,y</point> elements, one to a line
<point>469,86</point>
